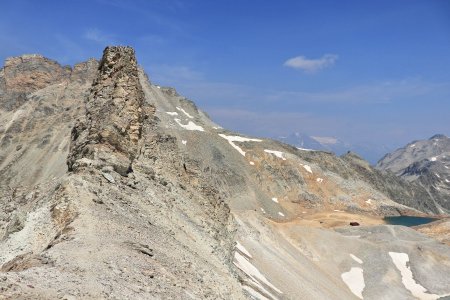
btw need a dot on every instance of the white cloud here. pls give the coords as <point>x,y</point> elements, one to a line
<point>194,84</point>
<point>96,35</point>
<point>311,65</point>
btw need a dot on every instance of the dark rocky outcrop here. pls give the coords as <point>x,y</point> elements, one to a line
<point>115,111</point>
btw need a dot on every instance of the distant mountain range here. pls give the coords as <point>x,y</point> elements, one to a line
<point>370,152</point>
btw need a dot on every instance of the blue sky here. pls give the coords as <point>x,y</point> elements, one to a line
<point>363,71</point>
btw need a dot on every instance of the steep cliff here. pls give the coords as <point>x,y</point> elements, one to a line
<point>115,111</point>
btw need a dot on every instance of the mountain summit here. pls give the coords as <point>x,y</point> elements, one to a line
<point>112,187</point>
<point>426,162</point>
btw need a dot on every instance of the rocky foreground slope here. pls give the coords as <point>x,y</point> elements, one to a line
<point>156,201</point>
<point>425,163</point>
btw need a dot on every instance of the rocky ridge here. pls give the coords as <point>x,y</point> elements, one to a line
<point>424,163</point>
<point>409,193</point>
<point>159,202</point>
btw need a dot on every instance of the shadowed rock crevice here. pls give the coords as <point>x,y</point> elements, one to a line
<point>110,133</point>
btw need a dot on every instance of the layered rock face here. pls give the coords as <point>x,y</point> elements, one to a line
<point>114,115</point>
<point>426,164</point>
<point>25,74</point>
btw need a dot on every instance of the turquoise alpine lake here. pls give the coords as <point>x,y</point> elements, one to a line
<point>408,220</point>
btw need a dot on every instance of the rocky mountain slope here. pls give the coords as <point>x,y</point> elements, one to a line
<point>40,101</point>
<point>425,163</point>
<point>156,201</point>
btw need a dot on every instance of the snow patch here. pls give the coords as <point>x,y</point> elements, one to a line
<point>254,294</point>
<point>325,140</point>
<point>245,266</point>
<point>190,126</point>
<point>437,175</point>
<point>355,258</point>
<point>184,142</point>
<point>172,113</point>
<point>263,211</point>
<point>446,180</point>
<point>446,167</point>
<point>109,177</point>
<point>281,214</point>
<point>413,145</point>
<point>304,149</point>
<point>354,279</point>
<point>275,200</point>
<point>319,180</point>
<point>252,163</point>
<point>433,158</point>
<point>243,250</point>
<point>369,201</point>
<point>401,261</point>
<point>185,112</point>
<point>278,154</point>
<point>307,168</point>
<point>233,138</point>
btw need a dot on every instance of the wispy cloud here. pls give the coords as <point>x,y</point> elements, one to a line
<point>274,123</point>
<point>67,50</point>
<point>374,93</point>
<point>176,75</point>
<point>311,65</point>
<point>96,35</point>
<point>270,112</point>
<point>195,84</point>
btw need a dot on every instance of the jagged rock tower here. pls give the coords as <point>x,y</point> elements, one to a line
<point>109,136</point>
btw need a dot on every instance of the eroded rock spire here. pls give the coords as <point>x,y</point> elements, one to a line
<point>110,133</point>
